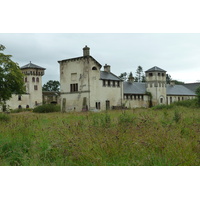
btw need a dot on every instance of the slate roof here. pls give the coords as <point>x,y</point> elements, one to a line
<point>32,66</point>
<point>178,90</point>
<point>81,57</point>
<point>108,76</point>
<point>192,86</point>
<point>134,88</point>
<point>155,69</point>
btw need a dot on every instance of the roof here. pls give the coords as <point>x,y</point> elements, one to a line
<point>155,69</point>
<point>134,88</point>
<point>109,76</point>
<point>192,86</point>
<point>82,57</point>
<point>32,66</point>
<point>179,90</point>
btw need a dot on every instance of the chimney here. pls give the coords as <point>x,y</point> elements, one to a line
<point>131,79</point>
<point>86,51</point>
<point>107,68</point>
<point>172,83</point>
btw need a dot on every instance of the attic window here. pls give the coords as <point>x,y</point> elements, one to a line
<point>163,74</point>
<point>150,74</point>
<point>158,74</point>
<point>94,68</point>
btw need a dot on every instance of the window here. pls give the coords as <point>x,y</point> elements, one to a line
<point>35,87</point>
<point>170,99</point>
<point>118,84</point>
<point>104,83</point>
<point>107,105</point>
<point>94,68</point>
<point>150,74</point>
<point>161,100</point>
<point>98,105</point>
<point>158,74</point>
<point>37,79</point>
<point>19,97</point>
<point>74,87</point>
<point>108,83</point>
<point>36,103</point>
<point>25,80</point>
<point>113,84</point>
<point>33,79</point>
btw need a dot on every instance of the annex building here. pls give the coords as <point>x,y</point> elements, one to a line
<point>86,86</point>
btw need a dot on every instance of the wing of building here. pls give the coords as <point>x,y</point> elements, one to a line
<point>84,86</point>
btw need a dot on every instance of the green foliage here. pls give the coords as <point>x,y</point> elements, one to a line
<point>139,75</point>
<point>162,106</point>
<point>198,95</point>
<point>51,86</point>
<point>123,76</point>
<point>47,108</point>
<point>11,77</point>
<point>4,117</point>
<point>18,110</point>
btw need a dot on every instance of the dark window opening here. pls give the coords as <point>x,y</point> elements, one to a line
<point>25,80</point>
<point>35,87</point>
<point>118,84</point>
<point>94,68</point>
<point>19,97</point>
<point>158,74</point>
<point>104,83</point>
<point>107,105</point>
<point>150,74</point>
<point>27,106</point>
<point>98,105</point>
<point>113,83</point>
<point>37,79</point>
<point>108,83</point>
<point>33,79</point>
<point>74,87</point>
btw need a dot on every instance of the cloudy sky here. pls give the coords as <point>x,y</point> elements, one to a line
<point>177,53</point>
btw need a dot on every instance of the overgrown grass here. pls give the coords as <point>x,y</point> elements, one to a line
<point>138,137</point>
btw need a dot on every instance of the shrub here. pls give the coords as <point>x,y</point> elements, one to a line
<point>4,117</point>
<point>18,110</point>
<point>46,108</point>
<point>162,106</point>
<point>186,103</point>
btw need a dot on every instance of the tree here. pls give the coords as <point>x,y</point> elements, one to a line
<point>123,76</point>
<point>130,77</point>
<point>168,79</point>
<point>51,86</point>
<point>139,75</point>
<point>11,77</point>
<point>198,95</point>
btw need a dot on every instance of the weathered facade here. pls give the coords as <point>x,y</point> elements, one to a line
<point>85,87</point>
<point>33,83</point>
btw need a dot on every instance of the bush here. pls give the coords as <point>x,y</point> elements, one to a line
<point>187,103</point>
<point>162,106</point>
<point>46,108</point>
<point>4,117</point>
<point>18,110</point>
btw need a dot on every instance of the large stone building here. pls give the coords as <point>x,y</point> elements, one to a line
<point>84,86</point>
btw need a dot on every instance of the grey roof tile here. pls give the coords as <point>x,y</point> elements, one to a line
<point>109,76</point>
<point>32,66</point>
<point>134,88</point>
<point>178,90</point>
<point>155,69</point>
<point>192,86</point>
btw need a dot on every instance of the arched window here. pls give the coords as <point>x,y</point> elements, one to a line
<point>94,68</point>
<point>33,79</point>
<point>37,79</point>
<point>25,79</point>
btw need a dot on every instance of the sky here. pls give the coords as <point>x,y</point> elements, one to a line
<point>177,53</point>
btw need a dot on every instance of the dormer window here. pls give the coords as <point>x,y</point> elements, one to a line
<point>94,68</point>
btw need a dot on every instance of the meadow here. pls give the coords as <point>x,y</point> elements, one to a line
<point>139,137</point>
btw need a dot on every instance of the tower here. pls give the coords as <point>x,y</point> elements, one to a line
<point>156,84</point>
<point>33,83</point>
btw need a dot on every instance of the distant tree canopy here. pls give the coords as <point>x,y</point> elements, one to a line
<point>139,77</point>
<point>51,86</point>
<point>11,77</point>
<point>169,80</point>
